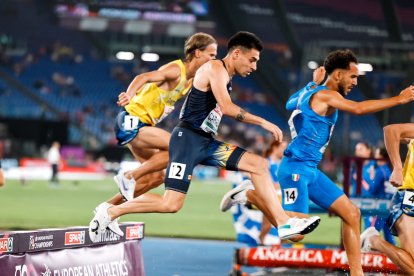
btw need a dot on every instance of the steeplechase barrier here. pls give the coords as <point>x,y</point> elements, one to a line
<point>307,258</point>
<point>70,252</point>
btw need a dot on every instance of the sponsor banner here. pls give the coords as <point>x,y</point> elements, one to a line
<point>311,258</point>
<point>134,232</point>
<point>41,241</point>
<point>121,259</point>
<point>8,243</point>
<point>34,162</point>
<point>53,239</point>
<point>74,237</point>
<point>64,166</point>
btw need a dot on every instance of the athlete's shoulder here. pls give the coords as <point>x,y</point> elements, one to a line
<point>172,65</point>
<point>215,64</point>
<point>326,94</point>
<point>212,68</point>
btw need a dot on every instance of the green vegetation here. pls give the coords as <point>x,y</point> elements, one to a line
<point>36,205</point>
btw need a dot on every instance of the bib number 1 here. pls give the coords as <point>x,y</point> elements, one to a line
<point>130,122</point>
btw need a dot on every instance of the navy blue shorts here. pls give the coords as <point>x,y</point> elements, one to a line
<point>188,148</point>
<point>300,182</point>
<point>125,134</point>
<point>401,203</point>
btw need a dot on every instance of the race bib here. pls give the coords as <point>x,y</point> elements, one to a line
<point>177,170</point>
<point>408,198</point>
<point>290,195</point>
<point>212,122</point>
<point>167,111</point>
<point>130,122</point>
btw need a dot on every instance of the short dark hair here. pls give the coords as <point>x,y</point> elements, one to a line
<point>246,40</point>
<point>339,59</point>
<point>383,152</point>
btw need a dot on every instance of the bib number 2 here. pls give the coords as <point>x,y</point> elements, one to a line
<point>176,170</point>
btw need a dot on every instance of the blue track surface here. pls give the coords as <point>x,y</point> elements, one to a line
<point>187,257</point>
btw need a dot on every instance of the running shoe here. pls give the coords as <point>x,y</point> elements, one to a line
<point>365,238</point>
<point>113,226</point>
<point>237,195</point>
<point>100,222</point>
<point>125,185</point>
<point>298,226</point>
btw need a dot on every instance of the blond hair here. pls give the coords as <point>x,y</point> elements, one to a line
<point>198,41</point>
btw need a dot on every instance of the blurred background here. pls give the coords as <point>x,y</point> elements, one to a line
<point>63,64</point>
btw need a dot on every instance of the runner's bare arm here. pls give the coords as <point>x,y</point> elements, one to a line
<point>166,73</point>
<point>218,79</point>
<point>336,100</point>
<point>393,134</point>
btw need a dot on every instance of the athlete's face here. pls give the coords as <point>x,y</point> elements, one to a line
<point>361,150</point>
<point>348,79</point>
<point>245,61</point>
<point>209,53</point>
<point>377,154</point>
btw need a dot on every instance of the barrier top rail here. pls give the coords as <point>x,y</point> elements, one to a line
<point>19,242</point>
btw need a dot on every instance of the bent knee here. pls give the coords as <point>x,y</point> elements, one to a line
<point>174,208</point>
<point>171,208</point>
<point>261,165</point>
<point>353,213</point>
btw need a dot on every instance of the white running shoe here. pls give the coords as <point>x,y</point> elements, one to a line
<point>100,221</point>
<point>237,195</point>
<point>125,185</point>
<point>113,226</point>
<point>365,238</point>
<point>298,226</point>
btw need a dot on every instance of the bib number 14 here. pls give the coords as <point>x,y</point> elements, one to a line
<point>290,195</point>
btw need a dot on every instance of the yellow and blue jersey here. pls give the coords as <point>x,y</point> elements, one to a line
<point>408,172</point>
<point>152,104</point>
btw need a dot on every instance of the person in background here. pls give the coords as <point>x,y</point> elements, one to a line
<point>378,188</point>
<point>2,181</point>
<point>273,154</point>
<point>53,157</point>
<point>247,219</point>
<point>363,150</point>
